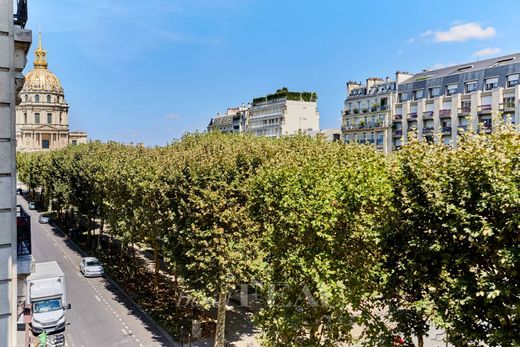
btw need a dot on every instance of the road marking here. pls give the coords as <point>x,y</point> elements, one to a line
<point>124,332</point>
<point>97,298</point>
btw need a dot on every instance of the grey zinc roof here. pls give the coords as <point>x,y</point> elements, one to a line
<point>467,67</point>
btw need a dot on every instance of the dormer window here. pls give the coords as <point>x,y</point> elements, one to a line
<point>471,86</point>
<point>491,83</point>
<point>435,91</point>
<point>513,80</point>
<point>451,89</point>
<point>418,94</point>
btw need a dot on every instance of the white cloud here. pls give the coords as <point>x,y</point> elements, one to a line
<point>461,33</point>
<point>172,116</point>
<point>487,51</point>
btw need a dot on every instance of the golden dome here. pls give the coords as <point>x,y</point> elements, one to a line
<point>40,79</point>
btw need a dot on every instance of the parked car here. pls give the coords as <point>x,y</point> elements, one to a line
<point>43,219</point>
<point>32,205</point>
<point>91,267</point>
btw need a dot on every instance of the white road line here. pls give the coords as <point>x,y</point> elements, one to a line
<point>97,298</point>
<point>124,332</point>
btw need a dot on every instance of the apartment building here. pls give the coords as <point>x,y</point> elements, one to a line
<point>15,41</point>
<point>233,121</point>
<point>436,105</point>
<point>274,115</point>
<point>368,110</point>
<point>284,113</point>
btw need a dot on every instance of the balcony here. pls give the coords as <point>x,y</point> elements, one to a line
<point>428,131</point>
<point>397,133</point>
<point>383,107</point>
<point>412,115</point>
<point>347,112</point>
<point>508,107</point>
<point>446,130</point>
<point>398,117</point>
<point>379,143</point>
<point>484,109</point>
<point>446,113</point>
<point>427,115</point>
<point>464,111</point>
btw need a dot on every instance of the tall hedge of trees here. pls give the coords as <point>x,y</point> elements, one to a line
<point>339,237</point>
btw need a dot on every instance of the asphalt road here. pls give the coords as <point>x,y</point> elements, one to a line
<point>100,315</point>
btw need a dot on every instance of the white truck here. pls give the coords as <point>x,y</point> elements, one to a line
<point>47,297</point>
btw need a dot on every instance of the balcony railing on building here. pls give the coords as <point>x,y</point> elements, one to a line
<point>398,133</point>
<point>412,115</point>
<point>428,131</point>
<point>398,117</point>
<point>484,109</point>
<point>446,130</point>
<point>508,107</point>
<point>445,113</point>
<point>427,115</point>
<point>464,111</point>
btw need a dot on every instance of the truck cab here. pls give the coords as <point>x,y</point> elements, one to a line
<point>46,298</point>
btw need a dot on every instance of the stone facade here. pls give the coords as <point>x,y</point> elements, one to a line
<point>14,45</point>
<point>42,121</point>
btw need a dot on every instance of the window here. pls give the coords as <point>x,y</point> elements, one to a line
<point>451,89</point>
<point>37,118</point>
<point>471,86</point>
<point>25,118</point>
<point>45,144</point>
<point>403,97</point>
<point>435,91</point>
<point>418,94</point>
<point>48,98</point>
<point>74,142</point>
<point>466,106</point>
<point>49,118</point>
<point>26,98</point>
<point>491,83</point>
<point>513,80</point>
<point>37,98</point>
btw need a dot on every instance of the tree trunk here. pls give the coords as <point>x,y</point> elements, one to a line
<point>220,337</point>
<point>420,341</point>
<point>157,266</point>
<point>100,235</point>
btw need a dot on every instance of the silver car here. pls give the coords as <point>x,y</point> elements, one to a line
<point>91,267</point>
<point>43,219</point>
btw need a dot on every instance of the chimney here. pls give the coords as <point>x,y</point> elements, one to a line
<point>351,85</point>
<point>401,76</point>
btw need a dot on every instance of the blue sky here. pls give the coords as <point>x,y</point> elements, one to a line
<point>148,71</point>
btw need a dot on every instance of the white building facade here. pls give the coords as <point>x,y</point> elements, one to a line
<point>14,45</point>
<point>368,110</point>
<point>284,113</point>
<point>42,118</point>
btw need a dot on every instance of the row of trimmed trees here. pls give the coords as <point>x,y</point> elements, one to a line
<point>341,237</point>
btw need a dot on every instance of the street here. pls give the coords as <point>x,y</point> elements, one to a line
<point>100,315</point>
